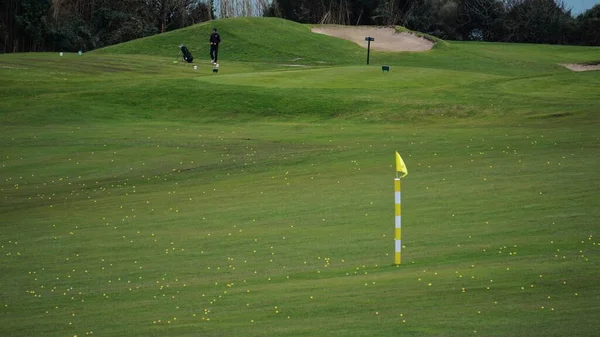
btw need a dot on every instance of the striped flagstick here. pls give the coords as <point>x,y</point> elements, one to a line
<point>398,231</point>
<point>400,169</point>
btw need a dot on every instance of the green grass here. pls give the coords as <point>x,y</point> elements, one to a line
<point>143,198</point>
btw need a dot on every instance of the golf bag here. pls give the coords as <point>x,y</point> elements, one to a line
<point>187,56</point>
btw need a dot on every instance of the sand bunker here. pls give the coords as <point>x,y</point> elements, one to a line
<point>581,67</point>
<point>386,39</point>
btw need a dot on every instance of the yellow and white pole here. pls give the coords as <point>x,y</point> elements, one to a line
<point>401,172</point>
<point>398,229</point>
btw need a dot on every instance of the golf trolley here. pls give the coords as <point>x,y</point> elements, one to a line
<point>185,54</point>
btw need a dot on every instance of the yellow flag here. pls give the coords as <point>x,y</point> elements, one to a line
<point>400,166</point>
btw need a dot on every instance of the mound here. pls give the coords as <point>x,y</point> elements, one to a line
<point>386,39</point>
<point>269,40</point>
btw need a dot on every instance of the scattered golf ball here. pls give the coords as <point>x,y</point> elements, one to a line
<point>195,67</point>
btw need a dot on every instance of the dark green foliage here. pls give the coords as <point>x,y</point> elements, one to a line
<point>115,26</point>
<point>72,33</point>
<point>588,27</point>
<point>72,25</point>
<point>538,21</point>
<point>23,25</point>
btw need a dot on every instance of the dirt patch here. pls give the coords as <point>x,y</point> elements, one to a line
<point>582,66</point>
<point>386,39</point>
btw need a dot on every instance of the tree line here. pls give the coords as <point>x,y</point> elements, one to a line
<point>532,21</point>
<point>72,25</point>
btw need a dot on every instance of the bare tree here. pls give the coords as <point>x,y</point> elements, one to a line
<point>261,7</point>
<point>480,19</point>
<point>390,12</point>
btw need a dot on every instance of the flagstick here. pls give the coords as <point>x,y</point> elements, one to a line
<point>398,229</point>
<point>400,167</point>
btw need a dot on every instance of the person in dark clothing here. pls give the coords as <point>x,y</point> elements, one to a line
<point>215,39</point>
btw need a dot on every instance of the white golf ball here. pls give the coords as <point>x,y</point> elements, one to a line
<point>61,54</point>
<point>195,67</point>
<point>216,65</point>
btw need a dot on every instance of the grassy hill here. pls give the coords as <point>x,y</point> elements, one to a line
<point>144,198</point>
<point>267,40</point>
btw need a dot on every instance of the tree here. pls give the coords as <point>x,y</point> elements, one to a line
<point>323,11</point>
<point>114,25</point>
<point>588,27</point>
<point>538,21</point>
<point>8,33</point>
<point>481,20</point>
<point>23,25</point>
<point>389,12</point>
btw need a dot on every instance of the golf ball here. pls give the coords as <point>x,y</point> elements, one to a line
<point>216,65</point>
<point>195,67</point>
<point>61,54</point>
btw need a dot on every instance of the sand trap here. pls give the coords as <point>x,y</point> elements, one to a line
<point>581,67</point>
<point>386,39</point>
